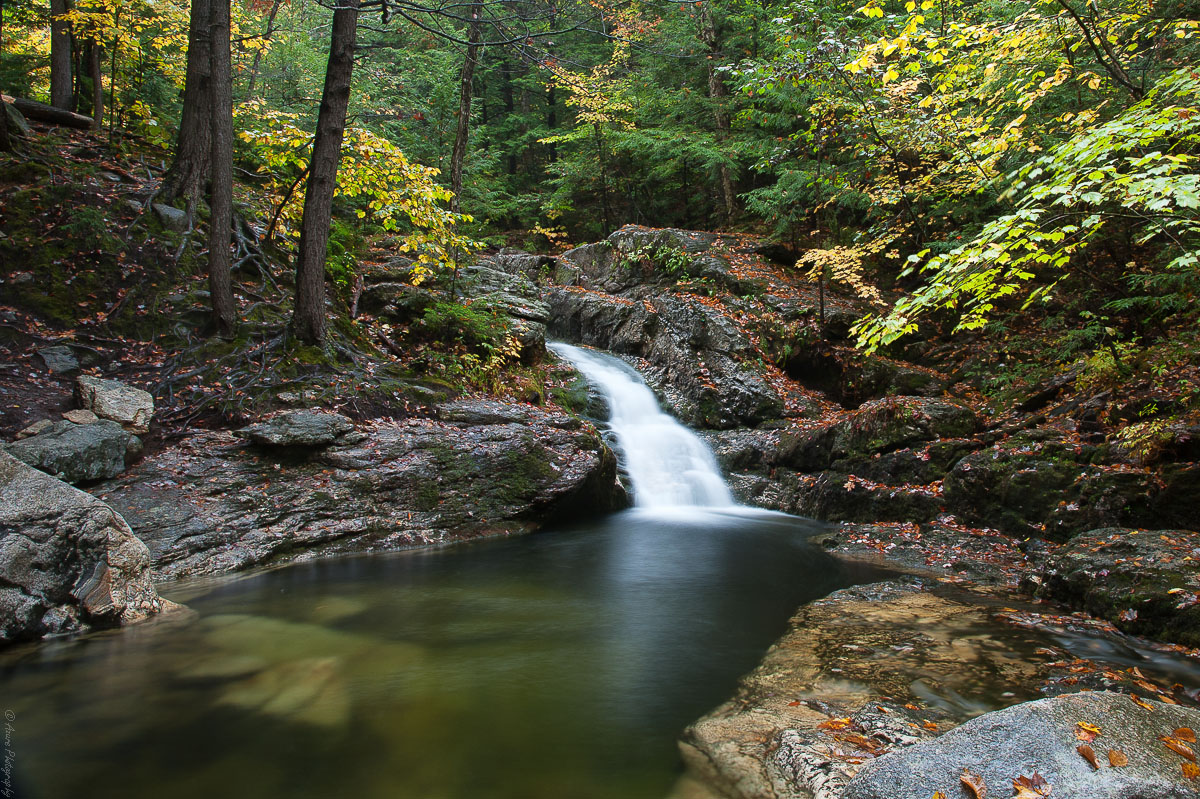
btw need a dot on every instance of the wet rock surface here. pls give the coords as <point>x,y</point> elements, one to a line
<point>864,671</point>
<point>1147,582</point>
<point>1040,738</point>
<point>68,563</point>
<point>210,505</point>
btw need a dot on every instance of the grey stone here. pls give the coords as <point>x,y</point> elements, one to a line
<point>482,412</point>
<point>298,429</point>
<point>16,121</point>
<point>59,360</point>
<point>79,453</point>
<point>131,407</point>
<point>1040,737</point>
<point>171,217</point>
<point>68,562</point>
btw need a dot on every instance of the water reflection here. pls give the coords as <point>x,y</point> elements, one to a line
<point>561,664</point>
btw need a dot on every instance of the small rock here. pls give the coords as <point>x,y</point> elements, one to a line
<point>59,360</point>
<point>110,399</point>
<point>299,429</point>
<point>81,416</point>
<point>17,125</point>
<point>172,218</point>
<point>40,426</point>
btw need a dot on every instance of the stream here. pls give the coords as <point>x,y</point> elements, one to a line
<point>559,665</point>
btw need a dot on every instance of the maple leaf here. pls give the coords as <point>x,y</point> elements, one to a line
<point>1086,732</point>
<point>973,783</point>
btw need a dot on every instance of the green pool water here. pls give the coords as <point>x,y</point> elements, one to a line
<point>561,665</point>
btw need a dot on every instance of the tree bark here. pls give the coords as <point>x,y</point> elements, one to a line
<point>97,73</point>
<point>308,322</point>
<point>718,92</point>
<point>185,179</point>
<point>467,83</point>
<point>220,199</point>
<point>60,56</point>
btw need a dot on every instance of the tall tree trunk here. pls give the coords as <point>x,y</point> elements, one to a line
<point>467,84</point>
<point>718,92</point>
<point>308,322</point>
<point>220,198</point>
<point>193,149</point>
<point>97,73</point>
<point>60,56</point>
<point>270,31</point>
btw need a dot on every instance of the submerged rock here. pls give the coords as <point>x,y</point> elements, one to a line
<point>67,561</point>
<point>1040,738</point>
<point>78,453</point>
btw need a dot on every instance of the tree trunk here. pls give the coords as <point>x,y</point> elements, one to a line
<point>464,106</point>
<point>220,199</point>
<point>193,149</point>
<point>718,92</point>
<point>308,323</point>
<point>94,68</point>
<point>41,112</point>
<point>60,56</point>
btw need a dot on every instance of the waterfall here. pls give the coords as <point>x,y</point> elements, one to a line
<point>667,464</point>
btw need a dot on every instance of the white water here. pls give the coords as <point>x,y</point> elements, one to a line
<point>667,464</point>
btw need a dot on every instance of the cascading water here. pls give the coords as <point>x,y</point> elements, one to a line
<point>667,464</point>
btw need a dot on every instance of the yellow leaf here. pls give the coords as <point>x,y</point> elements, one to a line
<point>1094,83</point>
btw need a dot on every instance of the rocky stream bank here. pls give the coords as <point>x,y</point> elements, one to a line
<point>989,510</point>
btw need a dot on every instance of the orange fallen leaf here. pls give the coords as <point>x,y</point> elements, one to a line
<point>1177,746</point>
<point>973,783</point>
<point>938,795</point>
<point>1191,771</point>
<point>1086,732</point>
<point>1185,734</point>
<point>930,725</point>
<point>834,724</point>
<point>1139,701</point>
<point>1117,759</point>
<point>1086,752</point>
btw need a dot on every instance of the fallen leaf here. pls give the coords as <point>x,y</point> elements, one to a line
<point>1034,787</point>
<point>973,783</point>
<point>1086,752</point>
<point>1086,732</point>
<point>938,795</point>
<point>1177,746</point>
<point>834,724</point>
<point>1191,771</point>
<point>930,725</point>
<point>1139,701</point>
<point>1117,759</point>
<point>1185,734</point>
